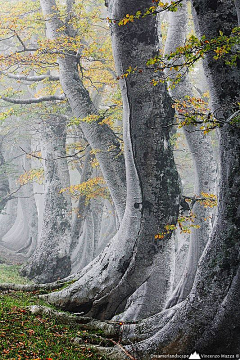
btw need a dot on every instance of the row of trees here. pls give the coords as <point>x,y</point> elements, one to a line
<point>125,263</point>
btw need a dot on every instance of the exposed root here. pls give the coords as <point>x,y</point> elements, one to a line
<point>34,287</point>
<point>110,329</point>
<point>113,353</point>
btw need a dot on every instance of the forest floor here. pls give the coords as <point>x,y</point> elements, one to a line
<point>38,337</point>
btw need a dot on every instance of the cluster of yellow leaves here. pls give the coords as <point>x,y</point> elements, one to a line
<point>5,114</point>
<point>9,91</point>
<point>47,88</point>
<point>108,120</point>
<point>129,71</point>
<point>94,163</point>
<point>195,111</point>
<point>39,61</point>
<point>128,18</point>
<point>88,119</point>
<point>16,14</point>
<point>95,151</point>
<point>36,175</point>
<point>92,188</point>
<point>23,22</point>
<point>184,223</point>
<point>20,23</point>
<point>63,44</point>
<point>209,200</point>
<point>158,7</point>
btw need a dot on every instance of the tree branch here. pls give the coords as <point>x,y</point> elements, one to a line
<point>31,78</point>
<point>34,100</point>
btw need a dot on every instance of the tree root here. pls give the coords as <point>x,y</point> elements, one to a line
<point>113,353</point>
<point>34,287</point>
<point>110,329</point>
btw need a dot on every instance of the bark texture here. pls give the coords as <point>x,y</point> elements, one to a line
<point>200,146</point>
<point>100,137</point>
<point>152,182</point>
<point>208,320</point>
<point>51,259</point>
<point>80,212</point>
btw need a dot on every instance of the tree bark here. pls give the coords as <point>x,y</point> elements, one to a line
<point>100,137</point>
<point>152,182</point>
<point>202,153</point>
<point>207,321</point>
<point>80,212</point>
<point>51,259</point>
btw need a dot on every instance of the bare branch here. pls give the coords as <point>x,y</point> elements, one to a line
<point>34,100</point>
<point>9,196</point>
<point>32,155</point>
<point>31,78</point>
<point>57,158</point>
<point>20,40</point>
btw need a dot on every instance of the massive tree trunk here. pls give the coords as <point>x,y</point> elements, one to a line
<point>51,259</point>
<point>208,320</point>
<point>145,301</point>
<point>100,137</point>
<point>200,146</point>
<point>152,182</point>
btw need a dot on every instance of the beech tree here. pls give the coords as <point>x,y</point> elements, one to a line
<point>202,322</point>
<point>206,321</point>
<point>110,149</point>
<point>51,258</point>
<point>200,145</point>
<point>19,232</point>
<point>152,180</point>
<point>203,313</point>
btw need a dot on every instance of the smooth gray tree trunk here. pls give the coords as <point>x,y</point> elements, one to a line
<point>4,184</point>
<point>51,259</point>
<point>100,137</point>
<point>8,217</point>
<point>152,182</point>
<point>200,146</point>
<point>24,231</point>
<point>207,321</point>
<point>80,212</point>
